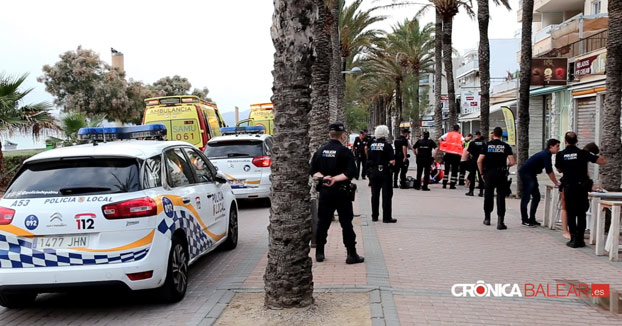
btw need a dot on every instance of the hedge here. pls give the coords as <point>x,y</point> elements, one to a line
<point>12,163</point>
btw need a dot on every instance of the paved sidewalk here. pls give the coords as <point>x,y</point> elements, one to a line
<point>439,241</point>
<point>409,270</point>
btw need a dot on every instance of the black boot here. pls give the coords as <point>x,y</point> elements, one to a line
<point>319,253</point>
<point>487,219</point>
<point>353,257</point>
<point>470,193</point>
<point>500,225</point>
<point>374,219</point>
<point>573,241</point>
<point>389,220</point>
<point>580,239</point>
<point>452,185</point>
<point>481,193</point>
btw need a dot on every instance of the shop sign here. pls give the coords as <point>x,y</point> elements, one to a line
<point>594,65</point>
<point>549,71</point>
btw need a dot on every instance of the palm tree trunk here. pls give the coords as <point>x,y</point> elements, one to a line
<point>416,114</point>
<point>336,80</point>
<point>438,76</point>
<point>483,17</point>
<point>449,68</point>
<point>320,108</point>
<point>610,173</point>
<point>398,106</point>
<point>288,278</point>
<point>525,83</point>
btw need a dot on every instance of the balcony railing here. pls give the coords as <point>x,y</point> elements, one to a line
<point>504,86</point>
<point>462,70</point>
<point>586,45</point>
<point>543,33</point>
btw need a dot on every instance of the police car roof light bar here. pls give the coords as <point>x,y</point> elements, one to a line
<point>103,134</point>
<point>242,130</point>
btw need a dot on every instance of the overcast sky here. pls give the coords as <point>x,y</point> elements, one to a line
<point>222,45</point>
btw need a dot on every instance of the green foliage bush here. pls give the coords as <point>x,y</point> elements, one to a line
<point>12,164</point>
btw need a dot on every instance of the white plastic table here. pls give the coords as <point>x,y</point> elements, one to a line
<point>592,214</point>
<point>613,239</point>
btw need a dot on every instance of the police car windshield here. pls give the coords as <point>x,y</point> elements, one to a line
<point>75,177</point>
<point>238,148</point>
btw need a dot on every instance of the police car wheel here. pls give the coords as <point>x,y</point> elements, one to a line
<point>176,283</point>
<point>17,300</point>
<point>232,234</point>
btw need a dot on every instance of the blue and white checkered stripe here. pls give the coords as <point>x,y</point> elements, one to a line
<point>198,241</point>
<point>18,253</point>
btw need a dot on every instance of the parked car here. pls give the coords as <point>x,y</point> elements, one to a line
<point>132,213</point>
<point>243,155</point>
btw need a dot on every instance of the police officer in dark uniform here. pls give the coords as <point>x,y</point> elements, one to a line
<point>401,158</point>
<point>358,148</point>
<point>493,166</point>
<point>333,167</point>
<point>473,151</point>
<point>381,159</point>
<point>576,183</point>
<point>423,151</point>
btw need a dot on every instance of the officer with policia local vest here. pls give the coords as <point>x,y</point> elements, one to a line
<point>576,183</point>
<point>333,167</point>
<point>380,161</point>
<point>493,166</point>
<point>452,143</point>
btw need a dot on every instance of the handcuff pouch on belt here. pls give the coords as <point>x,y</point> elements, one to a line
<point>349,189</point>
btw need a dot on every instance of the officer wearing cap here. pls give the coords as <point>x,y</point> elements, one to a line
<point>493,166</point>
<point>358,148</point>
<point>381,158</point>
<point>423,150</point>
<point>401,158</point>
<point>333,167</point>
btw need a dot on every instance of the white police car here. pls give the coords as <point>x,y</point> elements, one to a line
<point>134,213</point>
<point>243,155</point>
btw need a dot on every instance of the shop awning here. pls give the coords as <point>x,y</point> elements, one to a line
<point>546,90</point>
<point>493,108</point>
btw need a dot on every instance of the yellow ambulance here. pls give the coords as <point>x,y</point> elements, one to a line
<point>186,117</point>
<point>261,114</point>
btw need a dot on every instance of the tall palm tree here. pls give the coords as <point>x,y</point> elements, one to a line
<point>438,75</point>
<point>483,18</point>
<point>288,278</point>
<point>414,48</point>
<point>383,63</point>
<point>610,173</point>
<point>15,117</point>
<point>320,108</point>
<point>525,83</point>
<point>354,35</point>
<point>448,9</point>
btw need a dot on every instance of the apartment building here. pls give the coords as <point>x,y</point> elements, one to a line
<point>502,67</point>
<point>576,30</point>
